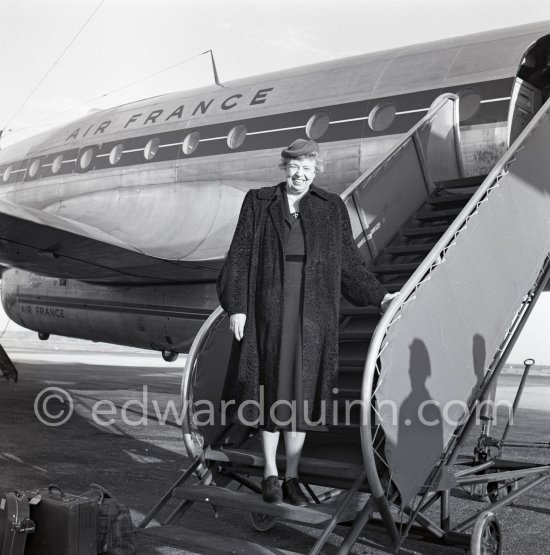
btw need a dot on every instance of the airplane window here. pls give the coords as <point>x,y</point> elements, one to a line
<point>86,158</point>
<point>469,103</point>
<point>116,154</point>
<point>236,136</point>
<point>151,148</point>
<point>34,167</point>
<point>56,166</point>
<point>190,143</point>
<point>317,125</point>
<point>382,116</point>
<point>7,173</point>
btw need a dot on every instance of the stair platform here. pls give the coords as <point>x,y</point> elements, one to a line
<point>309,466</point>
<point>434,230</point>
<point>360,310</point>
<point>355,335</point>
<point>409,250</point>
<point>313,514</point>
<point>394,268</point>
<point>473,181</point>
<point>207,544</point>
<point>394,287</point>
<point>427,215</point>
<point>449,199</point>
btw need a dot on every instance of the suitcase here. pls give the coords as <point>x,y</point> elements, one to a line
<point>15,523</point>
<point>65,524</point>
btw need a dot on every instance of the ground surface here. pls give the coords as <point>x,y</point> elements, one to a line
<point>138,459</point>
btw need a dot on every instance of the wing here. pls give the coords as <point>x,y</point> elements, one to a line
<point>54,246</point>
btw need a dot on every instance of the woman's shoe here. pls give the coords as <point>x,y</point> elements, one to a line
<point>271,490</point>
<point>293,494</point>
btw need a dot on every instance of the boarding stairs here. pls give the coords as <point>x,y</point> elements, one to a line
<point>412,214</point>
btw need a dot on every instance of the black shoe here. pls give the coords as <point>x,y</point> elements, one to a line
<point>293,494</point>
<point>271,490</point>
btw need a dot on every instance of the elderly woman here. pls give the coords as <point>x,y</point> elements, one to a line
<point>291,257</point>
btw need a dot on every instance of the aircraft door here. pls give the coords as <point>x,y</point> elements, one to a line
<point>526,101</point>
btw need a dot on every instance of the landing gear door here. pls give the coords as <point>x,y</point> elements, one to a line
<point>526,101</point>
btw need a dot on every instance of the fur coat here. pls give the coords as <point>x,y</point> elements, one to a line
<point>251,282</point>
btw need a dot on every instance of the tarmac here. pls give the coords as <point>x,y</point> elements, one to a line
<point>123,434</point>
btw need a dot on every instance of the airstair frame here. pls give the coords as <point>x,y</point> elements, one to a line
<point>433,260</point>
<point>437,486</point>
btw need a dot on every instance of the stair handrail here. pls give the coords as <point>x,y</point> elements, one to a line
<point>437,105</point>
<point>194,448</point>
<point>433,259</point>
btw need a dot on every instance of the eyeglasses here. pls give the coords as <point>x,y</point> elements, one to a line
<point>296,167</point>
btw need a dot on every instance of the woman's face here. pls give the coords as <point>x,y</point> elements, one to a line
<point>299,175</point>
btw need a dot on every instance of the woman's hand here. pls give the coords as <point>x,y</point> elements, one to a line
<point>386,301</point>
<point>236,325</point>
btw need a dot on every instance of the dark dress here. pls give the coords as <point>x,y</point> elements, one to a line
<point>252,282</point>
<point>290,365</point>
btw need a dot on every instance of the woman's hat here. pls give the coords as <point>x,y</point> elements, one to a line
<point>300,147</point>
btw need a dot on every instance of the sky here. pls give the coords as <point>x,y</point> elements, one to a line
<point>75,51</point>
<point>60,59</point>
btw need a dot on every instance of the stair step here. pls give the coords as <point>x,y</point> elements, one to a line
<point>408,249</point>
<point>394,268</point>
<point>348,393</point>
<point>341,430</point>
<point>360,311</point>
<point>351,368</point>
<point>309,466</point>
<point>355,335</point>
<point>437,214</point>
<point>253,502</point>
<point>450,199</point>
<point>394,287</point>
<point>205,543</point>
<point>350,380</point>
<point>427,231</point>
<point>350,351</point>
<point>351,364</point>
<point>461,182</point>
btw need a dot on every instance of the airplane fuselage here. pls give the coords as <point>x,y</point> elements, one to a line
<point>145,196</point>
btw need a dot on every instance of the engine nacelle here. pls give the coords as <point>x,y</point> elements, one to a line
<point>159,317</point>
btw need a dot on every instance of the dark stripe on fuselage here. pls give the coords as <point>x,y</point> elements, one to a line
<point>271,131</point>
<point>123,308</point>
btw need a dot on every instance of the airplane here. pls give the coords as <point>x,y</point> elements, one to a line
<point>114,227</point>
